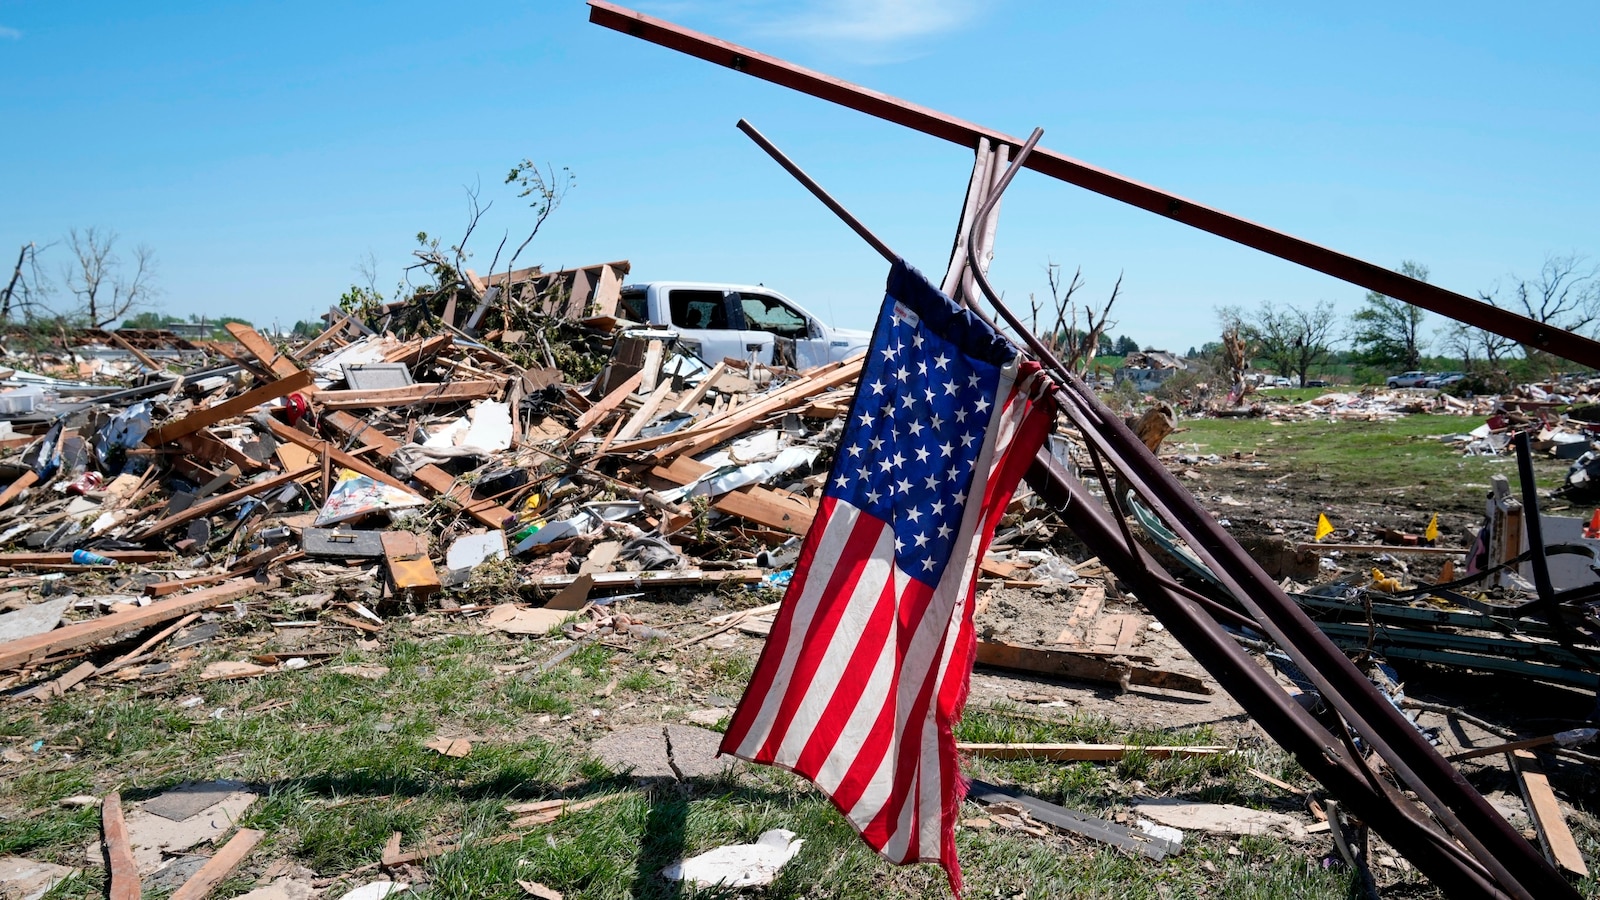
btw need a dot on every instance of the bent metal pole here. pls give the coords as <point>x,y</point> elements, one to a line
<point>1505,323</point>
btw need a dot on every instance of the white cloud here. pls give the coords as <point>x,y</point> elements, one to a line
<point>878,22</point>
<point>868,31</point>
<point>10,33</point>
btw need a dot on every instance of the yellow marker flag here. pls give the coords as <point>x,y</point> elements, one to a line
<point>1432,532</point>
<point>1324,527</point>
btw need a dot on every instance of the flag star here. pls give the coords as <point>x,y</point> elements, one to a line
<point>941,361</point>
<point>915,429</point>
<point>949,388</point>
<point>927,564</point>
<point>901,373</point>
<point>861,473</point>
<point>945,449</point>
<point>899,460</point>
<point>938,507</point>
<point>983,404</point>
<point>927,394</point>
<point>855,449</point>
<point>903,485</point>
<point>899,545</point>
<point>889,353</point>
<point>931,482</point>
<point>865,418</point>
<point>974,380</point>
<point>877,387</point>
<point>922,368</point>
<point>873,497</point>
<point>916,339</point>
<point>906,400</point>
<point>842,481</point>
<point>961,415</point>
<point>967,439</point>
<point>944,531</point>
<point>936,421</point>
<point>921,538</point>
<point>885,464</point>
<point>914,514</point>
<point>961,497</point>
<point>877,443</point>
<point>922,454</point>
<point>954,473</point>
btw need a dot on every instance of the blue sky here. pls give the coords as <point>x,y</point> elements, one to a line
<point>263,150</point>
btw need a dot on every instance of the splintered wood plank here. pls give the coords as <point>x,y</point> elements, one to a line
<point>592,416</point>
<point>1129,633</point>
<point>1546,813</point>
<point>207,507</point>
<point>90,631</point>
<point>220,866</point>
<point>773,507</point>
<point>227,409</point>
<point>1084,667</point>
<point>1107,630</point>
<point>1081,752</point>
<point>119,851</point>
<point>1088,607</point>
<point>411,394</point>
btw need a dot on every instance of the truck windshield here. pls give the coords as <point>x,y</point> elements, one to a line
<point>697,309</point>
<point>635,306</point>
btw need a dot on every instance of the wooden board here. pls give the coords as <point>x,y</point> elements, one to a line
<point>220,866</point>
<point>80,634</point>
<point>1079,752</point>
<point>64,559</point>
<point>772,507</point>
<point>119,851</point>
<point>1064,664</point>
<point>1546,812</point>
<point>227,409</point>
<point>207,507</point>
<point>1088,607</point>
<point>411,395</point>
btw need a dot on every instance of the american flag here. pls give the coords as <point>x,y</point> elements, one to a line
<point>866,669</point>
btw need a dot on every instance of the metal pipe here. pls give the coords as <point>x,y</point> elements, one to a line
<point>817,191</point>
<point>1505,323</point>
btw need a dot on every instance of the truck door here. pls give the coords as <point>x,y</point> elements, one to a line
<point>801,342</point>
<point>711,325</point>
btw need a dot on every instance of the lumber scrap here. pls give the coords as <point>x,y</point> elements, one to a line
<point>34,560</point>
<point>124,872</point>
<point>14,490</point>
<point>592,416</point>
<point>80,634</point>
<point>1065,664</point>
<point>1546,813</point>
<point>434,479</point>
<point>646,412</point>
<point>411,354</point>
<point>322,448</point>
<point>772,507</point>
<point>411,394</point>
<point>222,501</point>
<point>220,865</point>
<point>331,332</point>
<point>143,357</point>
<point>1080,752</point>
<point>663,578</point>
<point>227,409</point>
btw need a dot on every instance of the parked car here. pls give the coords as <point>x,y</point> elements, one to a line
<point>1318,382</point>
<point>1413,378</point>
<point>1445,379</point>
<point>717,321</point>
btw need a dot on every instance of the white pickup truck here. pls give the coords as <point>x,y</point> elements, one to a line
<point>739,321</point>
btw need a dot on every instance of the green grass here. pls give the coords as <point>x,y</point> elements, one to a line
<point>1405,452</point>
<point>339,764</point>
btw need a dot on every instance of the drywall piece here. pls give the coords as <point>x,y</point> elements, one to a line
<point>738,865</point>
<point>28,879</point>
<point>284,888</point>
<point>154,837</point>
<point>513,619</point>
<point>469,551</point>
<point>35,619</point>
<point>376,890</point>
<point>376,376</point>
<point>491,426</point>
<point>1219,818</point>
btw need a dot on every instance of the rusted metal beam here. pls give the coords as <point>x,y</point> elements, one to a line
<point>1505,323</point>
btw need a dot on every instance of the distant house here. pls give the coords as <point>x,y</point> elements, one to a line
<point>1149,369</point>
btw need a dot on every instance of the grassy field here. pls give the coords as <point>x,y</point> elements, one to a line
<point>339,762</point>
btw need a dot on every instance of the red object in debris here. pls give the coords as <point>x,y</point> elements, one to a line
<point>88,481</point>
<point>1593,530</point>
<point>297,407</point>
